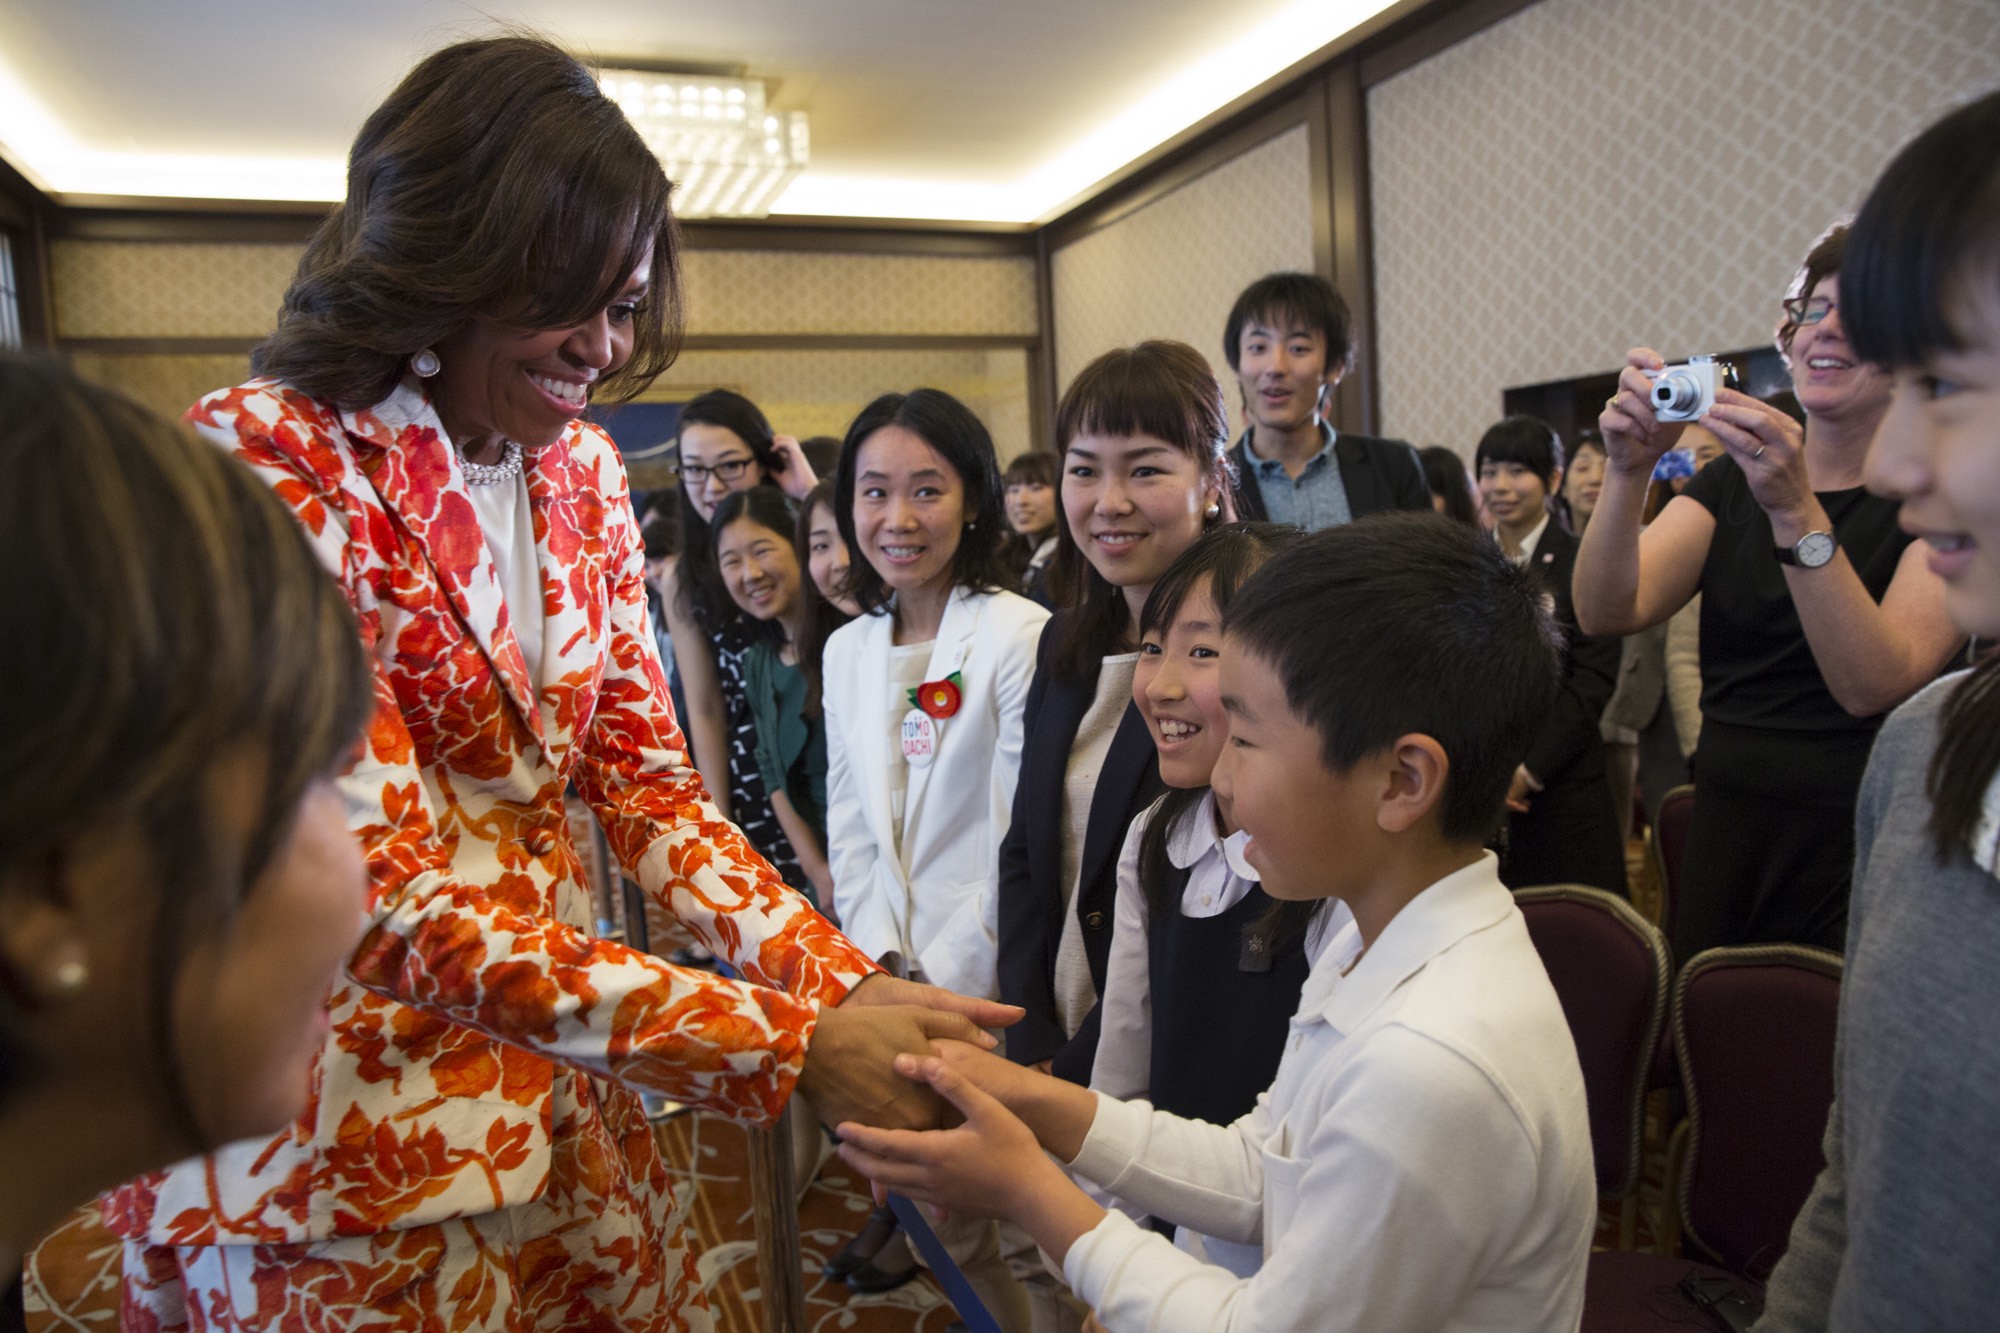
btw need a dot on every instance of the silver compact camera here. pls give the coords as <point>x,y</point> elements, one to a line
<point>1687,392</point>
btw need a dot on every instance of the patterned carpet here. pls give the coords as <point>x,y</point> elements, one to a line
<point>73,1279</point>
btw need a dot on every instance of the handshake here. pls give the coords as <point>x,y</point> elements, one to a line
<point>850,1069</point>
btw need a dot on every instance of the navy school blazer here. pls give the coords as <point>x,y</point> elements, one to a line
<point>1030,908</point>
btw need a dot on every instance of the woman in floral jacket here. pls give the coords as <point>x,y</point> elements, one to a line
<point>471,1157</point>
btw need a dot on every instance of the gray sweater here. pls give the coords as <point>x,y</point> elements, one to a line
<point>1902,1230</point>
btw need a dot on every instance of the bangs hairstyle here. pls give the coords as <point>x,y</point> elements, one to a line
<point>1369,627</point>
<point>496,182</point>
<point>1924,258</point>
<point>1224,559</point>
<point>166,611</point>
<point>1037,467</point>
<point>961,439</point>
<point>767,507</point>
<point>1162,389</point>
<point>1823,261</point>
<point>1529,441</point>
<point>1293,300</point>
<point>822,617</point>
<point>699,580</point>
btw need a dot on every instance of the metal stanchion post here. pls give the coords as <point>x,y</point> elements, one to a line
<point>780,1263</point>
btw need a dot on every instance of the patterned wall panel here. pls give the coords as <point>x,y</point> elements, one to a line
<point>168,384</point>
<point>818,393</point>
<point>1173,268</point>
<point>116,289</point>
<point>769,291</point>
<point>1591,174</point>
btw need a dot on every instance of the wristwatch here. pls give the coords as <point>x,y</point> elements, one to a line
<point>1810,551</point>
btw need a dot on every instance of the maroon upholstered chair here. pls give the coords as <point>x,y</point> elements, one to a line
<point>1610,970</point>
<point>1669,847</point>
<point>1753,1030</point>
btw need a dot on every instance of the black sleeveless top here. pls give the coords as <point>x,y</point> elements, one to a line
<point>1222,1005</point>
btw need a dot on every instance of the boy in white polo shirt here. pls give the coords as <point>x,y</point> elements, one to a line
<point>1422,1160</point>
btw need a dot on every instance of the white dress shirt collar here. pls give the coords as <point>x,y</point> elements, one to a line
<point>1528,543</point>
<point>1195,836</point>
<point>1461,903</point>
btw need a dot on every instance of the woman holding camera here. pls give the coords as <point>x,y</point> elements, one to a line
<point>470,1155</point>
<point>1817,617</point>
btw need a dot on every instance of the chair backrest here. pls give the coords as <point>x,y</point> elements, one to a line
<point>1754,1029</point>
<point>1610,970</point>
<point>1669,843</point>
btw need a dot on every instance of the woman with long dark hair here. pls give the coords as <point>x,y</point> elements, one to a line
<point>473,1151</point>
<point>1144,432</point>
<point>1899,1231</point>
<point>726,447</point>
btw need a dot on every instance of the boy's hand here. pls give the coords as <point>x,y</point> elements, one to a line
<point>1058,1112</point>
<point>988,1166</point>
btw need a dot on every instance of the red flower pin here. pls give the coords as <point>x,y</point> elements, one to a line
<point>939,698</point>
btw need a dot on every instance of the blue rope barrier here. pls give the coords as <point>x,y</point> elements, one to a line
<point>956,1289</point>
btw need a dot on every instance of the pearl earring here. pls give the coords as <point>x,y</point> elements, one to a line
<point>70,977</point>
<point>1212,513</point>
<point>425,363</point>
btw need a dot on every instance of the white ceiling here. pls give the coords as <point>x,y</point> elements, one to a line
<point>982,110</point>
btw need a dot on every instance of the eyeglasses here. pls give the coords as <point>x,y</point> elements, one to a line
<point>695,474</point>
<point>1802,312</point>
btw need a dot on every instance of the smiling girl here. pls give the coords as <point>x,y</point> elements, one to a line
<point>760,568</point>
<point>1143,431</point>
<point>1900,1230</point>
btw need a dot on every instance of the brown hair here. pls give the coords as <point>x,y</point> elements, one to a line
<point>166,609</point>
<point>496,182</point>
<point>1821,262</point>
<point>1162,389</point>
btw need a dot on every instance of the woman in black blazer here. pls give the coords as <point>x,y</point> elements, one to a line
<point>1564,829</point>
<point>1144,434</point>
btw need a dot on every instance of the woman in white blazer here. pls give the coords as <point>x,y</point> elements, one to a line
<point>919,792</point>
<point>923,697</point>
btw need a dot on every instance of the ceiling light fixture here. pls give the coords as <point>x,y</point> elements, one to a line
<point>726,152</point>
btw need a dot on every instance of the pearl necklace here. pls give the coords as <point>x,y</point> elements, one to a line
<point>492,474</point>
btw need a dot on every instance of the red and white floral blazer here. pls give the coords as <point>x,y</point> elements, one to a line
<point>477,984</point>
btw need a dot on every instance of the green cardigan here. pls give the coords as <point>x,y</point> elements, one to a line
<point>791,749</point>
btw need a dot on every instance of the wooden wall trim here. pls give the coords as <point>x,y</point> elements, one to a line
<point>1043,389</point>
<point>1353,242</point>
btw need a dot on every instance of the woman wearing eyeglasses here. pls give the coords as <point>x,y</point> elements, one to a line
<point>726,445</point>
<point>1818,616</point>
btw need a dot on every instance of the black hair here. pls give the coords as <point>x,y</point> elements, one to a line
<point>701,592</point>
<point>1039,467</point>
<point>1528,441</point>
<point>822,617</point>
<point>661,536</point>
<point>1226,556</point>
<point>823,452</point>
<point>1374,629</point>
<point>767,507</point>
<point>1922,258</point>
<point>961,439</point>
<point>1160,388</point>
<point>1306,298</point>
<point>1444,475</point>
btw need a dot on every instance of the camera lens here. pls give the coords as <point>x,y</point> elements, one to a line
<point>1675,391</point>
